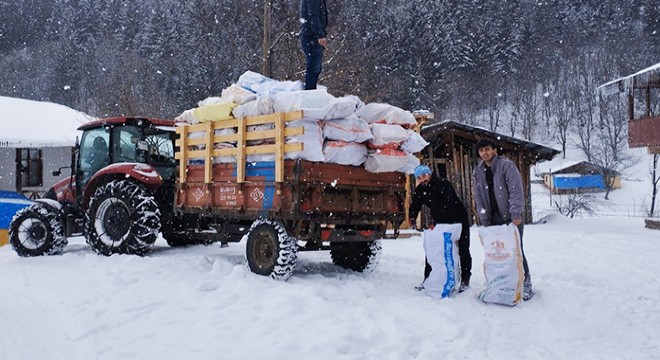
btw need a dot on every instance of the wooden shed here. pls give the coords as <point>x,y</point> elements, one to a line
<point>452,153</point>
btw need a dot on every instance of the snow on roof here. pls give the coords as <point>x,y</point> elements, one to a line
<point>648,75</point>
<point>547,167</point>
<point>28,123</point>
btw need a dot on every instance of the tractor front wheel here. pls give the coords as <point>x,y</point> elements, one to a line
<point>37,230</point>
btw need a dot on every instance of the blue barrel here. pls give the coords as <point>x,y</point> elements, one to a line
<point>10,203</point>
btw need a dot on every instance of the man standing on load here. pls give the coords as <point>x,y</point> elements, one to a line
<point>499,196</point>
<point>313,22</point>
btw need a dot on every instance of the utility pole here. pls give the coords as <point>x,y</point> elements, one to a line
<point>266,44</point>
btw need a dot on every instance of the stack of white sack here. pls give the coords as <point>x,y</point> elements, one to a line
<point>337,130</point>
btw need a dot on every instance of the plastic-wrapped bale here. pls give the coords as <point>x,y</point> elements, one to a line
<point>350,129</point>
<point>441,250</point>
<point>387,136</point>
<point>312,140</point>
<point>345,153</point>
<point>386,114</point>
<point>385,160</point>
<point>503,265</point>
<point>316,104</point>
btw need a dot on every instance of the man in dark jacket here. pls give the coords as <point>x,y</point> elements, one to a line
<point>313,23</point>
<point>446,208</point>
<point>499,196</point>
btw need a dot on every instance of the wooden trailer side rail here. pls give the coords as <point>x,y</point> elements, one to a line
<point>241,137</point>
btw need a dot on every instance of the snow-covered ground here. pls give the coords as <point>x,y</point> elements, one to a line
<point>596,282</point>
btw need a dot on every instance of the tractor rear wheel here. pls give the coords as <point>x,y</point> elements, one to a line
<point>123,217</point>
<point>37,230</point>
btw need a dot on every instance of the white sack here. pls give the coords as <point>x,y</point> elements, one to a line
<point>350,129</point>
<point>316,104</point>
<point>186,117</point>
<point>271,88</point>
<point>312,140</point>
<point>503,265</point>
<point>385,160</point>
<point>411,163</point>
<point>414,144</point>
<point>224,159</point>
<point>387,136</point>
<point>210,101</point>
<point>236,94</point>
<point>386,114</point>
<point>262,105</point>
<point>250,79</point>
<point>441,250</point>
<point>345,153</point>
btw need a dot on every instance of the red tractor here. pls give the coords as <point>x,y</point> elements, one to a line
<point>122,176</point>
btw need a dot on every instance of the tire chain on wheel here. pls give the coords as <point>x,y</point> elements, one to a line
<point>357,256</point>
<point>288,252</point>
<point>55,242</point>
<point>145,227</point>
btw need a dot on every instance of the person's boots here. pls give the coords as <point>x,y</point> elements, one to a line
<point>527,288</point>
<point>465,284</point>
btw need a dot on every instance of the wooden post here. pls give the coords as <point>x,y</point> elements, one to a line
<point>279,150</point>
<point>183,161</point>
<point>208,156</point>
<point>240,145</point>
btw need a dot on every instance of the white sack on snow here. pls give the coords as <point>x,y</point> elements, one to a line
<point>345,153</point>
<point>385,160</point>
<point>441,250</point>
<point>316,104</point>
<point>386,114</point>
<point>387,136</point>
<point>312,140</point>
<point>503,264</point>
<point>262,105</point>
<point>350,129</point>
<point>414,144</point>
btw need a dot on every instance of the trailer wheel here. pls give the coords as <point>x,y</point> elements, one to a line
<point>270,251</point>
<point>176,239</point>
<point>123,218</point>
<point>356,256</point>
<point>37,230</point>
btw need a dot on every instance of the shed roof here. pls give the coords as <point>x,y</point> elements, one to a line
<point>541,152</point>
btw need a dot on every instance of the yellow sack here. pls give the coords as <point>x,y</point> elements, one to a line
<point>214,112</point>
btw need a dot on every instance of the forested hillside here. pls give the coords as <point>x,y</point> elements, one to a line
<point>525,68</point>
